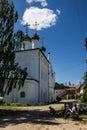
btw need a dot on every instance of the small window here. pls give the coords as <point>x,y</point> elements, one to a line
<point>22,94</point>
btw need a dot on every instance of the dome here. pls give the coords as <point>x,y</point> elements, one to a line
<point>27,38</point>
<point>35,37</point>
<point>43,48</point>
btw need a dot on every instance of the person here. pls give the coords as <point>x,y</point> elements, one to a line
<point>74,108</point>
<point>67,111</point>
<point>74,113</point>
<point>52,110</point>
<point>78,108</point>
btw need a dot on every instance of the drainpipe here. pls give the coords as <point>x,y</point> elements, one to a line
<point>39,80</point>
<point>48,77</point>
<point>48,82</point>
<point>49,56</point>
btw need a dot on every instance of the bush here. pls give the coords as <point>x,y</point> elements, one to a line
<point>58,98</point>
<point>40,104</point>
<point>6,104</point>
<point>3,103</point>
<point>1,100</point>
<point>16,104</point>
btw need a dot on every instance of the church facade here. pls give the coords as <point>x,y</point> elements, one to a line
<point>40,81</point>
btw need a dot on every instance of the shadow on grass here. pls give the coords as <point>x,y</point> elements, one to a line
<point>26,116</point>
<point>83,116</point>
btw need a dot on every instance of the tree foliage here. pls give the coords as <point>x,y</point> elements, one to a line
<point>85,88</point>
<point>11,73</point>
<point>85,80</point>
<point>17,39</point>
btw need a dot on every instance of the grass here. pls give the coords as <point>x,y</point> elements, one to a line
<point>84,118</point>
<point>40,104</point>
<point>60,112</point>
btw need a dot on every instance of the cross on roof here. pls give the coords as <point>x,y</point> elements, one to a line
<point>26,26</point>
<point>36,25</point>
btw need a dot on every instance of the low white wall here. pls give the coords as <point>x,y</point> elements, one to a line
<point>30,89</point>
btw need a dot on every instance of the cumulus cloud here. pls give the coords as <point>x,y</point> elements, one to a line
<point>58,11</point>
<point>43,2</point>
<point>44,17</point>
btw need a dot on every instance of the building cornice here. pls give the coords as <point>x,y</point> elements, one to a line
<point>33,50</point>
<point>27,78</point>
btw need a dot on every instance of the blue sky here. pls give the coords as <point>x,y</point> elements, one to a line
<point>63,24</point>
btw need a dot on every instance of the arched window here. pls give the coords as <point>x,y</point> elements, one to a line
<point>22,94</point>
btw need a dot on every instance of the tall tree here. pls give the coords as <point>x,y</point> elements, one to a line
<point>85,79</point>
<point>11,73</point>
<point>17,39</point>
<point>85,88</point>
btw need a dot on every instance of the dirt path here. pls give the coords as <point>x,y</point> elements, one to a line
<point>37,118</point>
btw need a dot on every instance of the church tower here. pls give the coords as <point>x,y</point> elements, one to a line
<point>39,83</point>
<point>35,38</point>
<point>26,43</point>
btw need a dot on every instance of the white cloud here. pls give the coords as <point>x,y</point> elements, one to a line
<point>44,17</point>
<point>58,11</point>
<point>43,2</point>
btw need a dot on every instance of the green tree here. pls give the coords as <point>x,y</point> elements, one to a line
<point>85,80</point>
<point>85,88</point>
<point>17,39</point>
<point>11,73</point>
<point>70,83</point>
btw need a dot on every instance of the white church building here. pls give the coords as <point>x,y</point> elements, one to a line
<point>40,81</point>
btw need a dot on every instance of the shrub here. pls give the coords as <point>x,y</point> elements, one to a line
<point>58,98</point>
<point>1,102</point>
<point>40,104</point>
